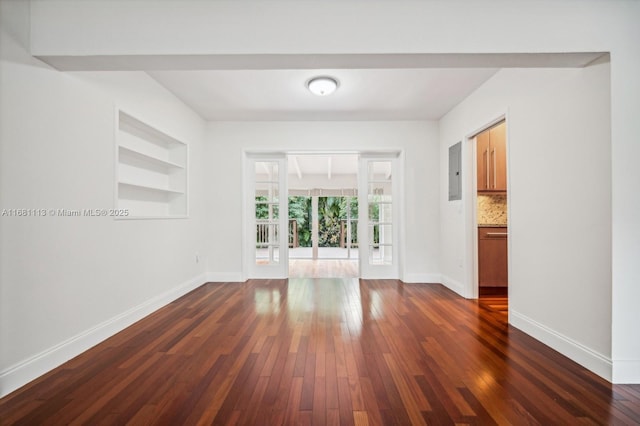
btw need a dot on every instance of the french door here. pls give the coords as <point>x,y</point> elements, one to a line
<point>266,242</point>
<point>378,216</point>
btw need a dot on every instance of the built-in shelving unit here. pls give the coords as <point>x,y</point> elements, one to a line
<point>151,171</point>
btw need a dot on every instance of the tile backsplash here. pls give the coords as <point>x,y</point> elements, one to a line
<point>492,209</point>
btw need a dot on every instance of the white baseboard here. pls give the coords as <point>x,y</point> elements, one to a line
<point>453,285</point>
<point>422,278</point>
<point>583,355</point>
<point>225,277</point>
<point>626,371</point>
<point>22,373</point>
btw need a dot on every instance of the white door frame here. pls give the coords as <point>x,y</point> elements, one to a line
<point>249,267</point>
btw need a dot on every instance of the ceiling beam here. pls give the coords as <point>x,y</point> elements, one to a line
<point>180,61</point>
<point>294,160</point>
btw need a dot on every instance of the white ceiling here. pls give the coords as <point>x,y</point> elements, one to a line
<point>364,94</point>
<point>323,164</point>
<point>318,167</point>
<point>372,87</point>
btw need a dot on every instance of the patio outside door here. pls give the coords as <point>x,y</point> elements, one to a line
<point>266,216</point>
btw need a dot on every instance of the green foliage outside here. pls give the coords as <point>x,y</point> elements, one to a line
<point>331,211</point>
<point>262,210</point>
<point>300,210</point>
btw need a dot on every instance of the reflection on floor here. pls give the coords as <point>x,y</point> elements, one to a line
<point>495,299</point>
<point>307,268</point>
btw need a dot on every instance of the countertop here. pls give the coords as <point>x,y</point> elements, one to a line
<point>489,225</point>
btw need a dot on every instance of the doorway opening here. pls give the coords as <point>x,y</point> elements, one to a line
<point>491,206</point>
<point>323,236</point>
<point>336,221</point>
<point>323,214</point>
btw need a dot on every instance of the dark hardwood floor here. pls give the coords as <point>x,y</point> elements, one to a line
<point>323,268</point>
<point>496,299</point>
<point>321,351</point>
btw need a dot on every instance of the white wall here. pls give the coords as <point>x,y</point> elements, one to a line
<point>69,282</point>
<point>418,140</point>
<point>559,166</point>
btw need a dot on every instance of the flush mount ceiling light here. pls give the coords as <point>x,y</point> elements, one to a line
<point>322,86</point>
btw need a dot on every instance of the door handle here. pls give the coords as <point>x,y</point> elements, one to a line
<point>486,155</point>
<point>493,155</point>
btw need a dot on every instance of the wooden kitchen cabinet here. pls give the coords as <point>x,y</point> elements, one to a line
<point>491,155</point>
<point>492,257</point>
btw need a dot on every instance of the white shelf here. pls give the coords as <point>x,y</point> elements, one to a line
<point>151,171</point>
<point>123,150</point>
<point>150,188</point>
<point>129,124</point>
<point>152,217</point>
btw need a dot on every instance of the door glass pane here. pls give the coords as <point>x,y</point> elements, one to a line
<point>267,171</point>
<point>380,234</point>
<point>380,212</point>
<point>267,191</point>
<point>379,171</point>
<point>267,234</point>
<point>262,235</point>
<point>385,211</point>
<point>267,212</point>
<point>380,191</point>
<point>380,208</point>
<point>351,232</point>
<point>354,233</point>
<point>380,254</point>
